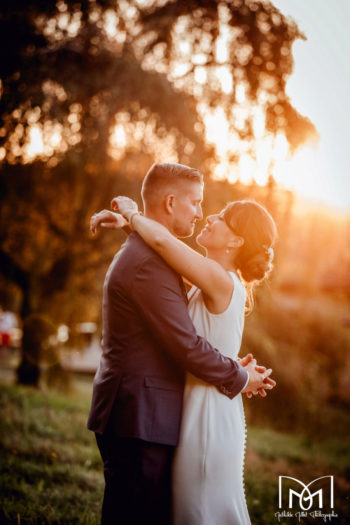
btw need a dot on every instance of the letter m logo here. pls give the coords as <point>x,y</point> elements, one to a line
<point>305,497</point>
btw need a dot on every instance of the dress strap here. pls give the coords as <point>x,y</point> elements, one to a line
<point>236,278</point>
<point>192,293</point>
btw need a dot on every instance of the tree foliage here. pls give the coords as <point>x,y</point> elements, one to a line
<point>92,92</point>
<point>248,42</point>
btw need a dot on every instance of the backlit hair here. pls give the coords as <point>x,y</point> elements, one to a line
<point>165,177</point>
<point>251,221</point>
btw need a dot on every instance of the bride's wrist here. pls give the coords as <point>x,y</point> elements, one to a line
<point>131,217</point>
<point>128,214</point>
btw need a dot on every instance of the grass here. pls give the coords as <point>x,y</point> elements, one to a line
<point>51,471</point>
<point>271,454</point>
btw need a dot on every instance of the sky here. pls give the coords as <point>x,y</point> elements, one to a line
<point>320,89</point>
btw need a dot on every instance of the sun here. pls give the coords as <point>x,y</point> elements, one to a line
<point>305,171</point>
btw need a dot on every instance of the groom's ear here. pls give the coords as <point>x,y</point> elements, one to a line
<point>169,204</point>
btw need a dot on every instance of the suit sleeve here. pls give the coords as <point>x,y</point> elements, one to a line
<point>159,299</point>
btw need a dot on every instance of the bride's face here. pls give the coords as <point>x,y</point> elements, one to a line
<point>216,234</point>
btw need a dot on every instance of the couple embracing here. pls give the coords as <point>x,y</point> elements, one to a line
<point>167,407</point>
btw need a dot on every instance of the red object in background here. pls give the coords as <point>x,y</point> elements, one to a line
<point>5,339</point>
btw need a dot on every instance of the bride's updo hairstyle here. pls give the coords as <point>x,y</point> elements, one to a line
<point>254,224</point>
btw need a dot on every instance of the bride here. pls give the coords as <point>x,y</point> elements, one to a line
<point>208,487</point>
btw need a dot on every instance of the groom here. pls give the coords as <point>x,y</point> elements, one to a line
<point>148,343</point>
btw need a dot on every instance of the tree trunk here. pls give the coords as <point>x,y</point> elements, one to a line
<point>28,371</point>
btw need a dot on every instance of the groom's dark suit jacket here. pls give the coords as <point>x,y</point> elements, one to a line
<point>148,343</point>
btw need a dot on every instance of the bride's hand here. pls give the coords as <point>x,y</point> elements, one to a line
<point>107,219</point>
<point>125,206</point>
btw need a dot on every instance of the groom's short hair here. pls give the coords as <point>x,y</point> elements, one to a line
<point>164,177</point>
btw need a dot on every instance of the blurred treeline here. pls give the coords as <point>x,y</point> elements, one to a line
<point>91,94</point>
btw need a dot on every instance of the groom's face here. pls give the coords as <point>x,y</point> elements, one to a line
<point>187,208</point>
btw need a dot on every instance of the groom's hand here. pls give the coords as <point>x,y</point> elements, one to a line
<point>244,361</point>
<point>270,383</point>
<point>259,380</point>
<point>107,219</point>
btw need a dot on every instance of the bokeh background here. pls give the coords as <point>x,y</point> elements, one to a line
<point>92,92</point>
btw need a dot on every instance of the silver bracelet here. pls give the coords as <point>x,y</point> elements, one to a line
<point>132,216</point>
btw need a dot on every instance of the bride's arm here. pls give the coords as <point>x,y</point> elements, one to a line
<point>205,273</point>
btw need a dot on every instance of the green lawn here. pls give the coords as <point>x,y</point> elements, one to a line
<point>51,471</point>
<point>271,454</point>
<point>50,465</point>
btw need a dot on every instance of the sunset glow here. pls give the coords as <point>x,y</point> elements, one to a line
<point>298,172</point>
<point>315,171</point>
<point>36,145</point>
<point>319,89</point>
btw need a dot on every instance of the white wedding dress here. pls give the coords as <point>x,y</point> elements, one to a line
<point>209,460</point>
